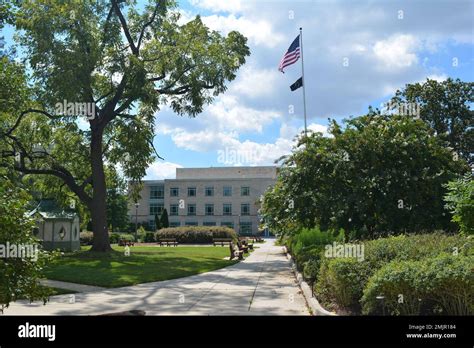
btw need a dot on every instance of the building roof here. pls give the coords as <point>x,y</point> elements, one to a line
<point>267,172</point>
<point>49,209</point>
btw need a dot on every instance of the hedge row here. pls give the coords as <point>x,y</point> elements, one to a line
<point>196,234</point>
<point>417,267</point>
<point>86,237</point>
<point>184,235</point>
<point>437,285</point>
<point>307,247</point>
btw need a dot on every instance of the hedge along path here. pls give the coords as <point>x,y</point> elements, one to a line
<point>262,284</point>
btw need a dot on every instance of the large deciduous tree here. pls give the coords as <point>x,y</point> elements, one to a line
<point>379,174</point>
<point>446,107</point>
<point>123,63</point>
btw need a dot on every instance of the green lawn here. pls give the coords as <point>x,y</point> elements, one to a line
<point>145,264</point>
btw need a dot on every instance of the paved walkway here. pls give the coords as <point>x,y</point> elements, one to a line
<point>263,284</point>
<point>70,286</point>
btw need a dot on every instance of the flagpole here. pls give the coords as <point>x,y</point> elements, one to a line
<point>304,83</point>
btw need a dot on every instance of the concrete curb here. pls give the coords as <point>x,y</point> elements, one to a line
<point>306,289</point>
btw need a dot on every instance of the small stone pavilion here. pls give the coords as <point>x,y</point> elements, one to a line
<point>57,228</point>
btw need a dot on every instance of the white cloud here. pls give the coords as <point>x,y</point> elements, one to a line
<point>232,151</point>
<point>229,114</point>
<point>385,54</point>
<point>232,6</point>
<point>256,83</point>
<point>201,141</point>
<point>319,128</point>
<point>397,51</point>
<point>436,77</point>
<point>162,170</point>
<point>258,31</point>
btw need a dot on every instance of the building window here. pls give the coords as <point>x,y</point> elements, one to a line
<point>174,208</point>
<point>191,192</point>
<point>175,224</point>
<point>174,191</point>
<point>191,209</point>
<point>209,191</point>
<point>157,192</point>
<point>245,209</point>
<point>208,223</point>
<point>156,208</point>
<point>191,223</point>
<point>227,191</point>
<point>227,209</point>
<point>209,209</point>
<point>246,227</point>
<point>245,191</point>
<point>228,224</point>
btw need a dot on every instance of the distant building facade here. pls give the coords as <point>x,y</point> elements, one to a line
<point>221,196</point>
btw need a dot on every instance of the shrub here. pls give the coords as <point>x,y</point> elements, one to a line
<point>310,237</point>
<point>308,243</point>
<point>342,280</point>
<point>414,247</point>
<point>311,269</point>
<point>141,233</point>
<point>196,234</point>
<point>460,201</point>
<point>441,284</point>
<point>398,283</point>
<point>447,280</point>
<point>86,238</point>
<point>307,254</point>
<point>127,236</point>
<point>149,237</point>
<point>114,238</point>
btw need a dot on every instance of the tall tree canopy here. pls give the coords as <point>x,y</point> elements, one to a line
<point>379,174</point>
<point>446,107</point>
<point>124,63</point>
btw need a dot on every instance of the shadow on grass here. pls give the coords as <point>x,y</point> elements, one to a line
<point>114,269</point>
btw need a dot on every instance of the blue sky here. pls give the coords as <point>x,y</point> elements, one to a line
<point>386,43</point>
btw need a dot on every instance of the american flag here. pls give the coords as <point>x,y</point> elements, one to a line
<point>292,55</point>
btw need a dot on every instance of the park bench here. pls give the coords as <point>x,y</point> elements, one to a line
<point>221,241</point>
<point>245,241</point>
<point>257,239</point>
<point>235,252</point>
<point>168,242</point>
<point>124,242</point>
<point>243,247</point>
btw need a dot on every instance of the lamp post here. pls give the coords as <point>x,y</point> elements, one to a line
<point>381,299</point>
<point>240,229</point>
<point>136,220</point>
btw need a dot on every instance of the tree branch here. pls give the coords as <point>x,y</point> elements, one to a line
<point>24,113</point>
<point>125,28</point>
<point>147,24</point>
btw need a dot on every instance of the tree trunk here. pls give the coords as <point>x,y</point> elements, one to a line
<point>98,206</point>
